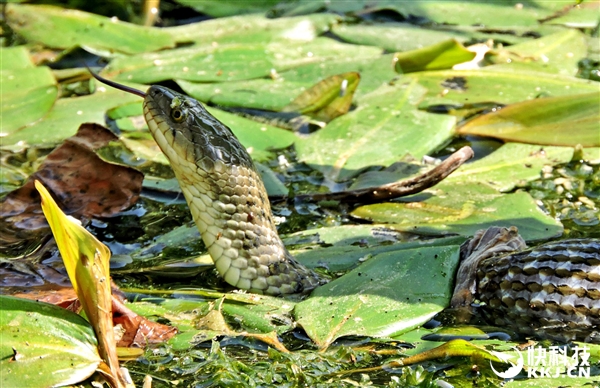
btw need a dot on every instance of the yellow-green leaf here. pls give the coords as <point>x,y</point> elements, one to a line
<point>327,99</point>
<point>87,262</point>
<point>560,121</point>
<point>438,56</point>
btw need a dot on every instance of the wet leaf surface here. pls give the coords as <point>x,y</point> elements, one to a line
<point>390,112</point>
<point>44,345</point>
<point>71,28</point>
<point>68,114</point>
<point>28,92</point>
<point>328,99</point>
<point>219,63</point>
<point>439,211</point>
<point>442,55</point>
<point>545,121</point>
<point>382,297</point>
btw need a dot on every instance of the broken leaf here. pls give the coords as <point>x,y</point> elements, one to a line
<point>328,99</point>
<point>438,56</point>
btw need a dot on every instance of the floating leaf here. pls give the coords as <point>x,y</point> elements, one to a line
<point>27,93</point>
<point>385,127</point>
<point>438,56</point>
<point>274,94</point>
<point>369,300</point>
<point>42,345</point>
<point>72,28</point>
<point>501,85</point>
<point>511,165</point>
<point>559,121</point>
<point>68,114</point>
<point>257,28</point>
<point>453,348</point>
<point>328,99</point>
<point>221,63</point>
<point>558,53</point>
<point>451,208</point>
<point>216,8</point>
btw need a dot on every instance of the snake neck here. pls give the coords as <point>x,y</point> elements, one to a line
<point>226,196</point>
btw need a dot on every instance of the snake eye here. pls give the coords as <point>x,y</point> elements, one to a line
<point>177,115</point>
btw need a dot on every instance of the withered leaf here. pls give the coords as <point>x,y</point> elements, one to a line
<point>83,185</point>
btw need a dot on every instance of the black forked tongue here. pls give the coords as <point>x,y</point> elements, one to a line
<point>117,85</point>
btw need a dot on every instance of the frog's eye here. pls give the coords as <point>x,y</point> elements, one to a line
<point>177,115</point>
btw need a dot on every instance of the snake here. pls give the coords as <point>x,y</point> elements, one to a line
<point>225,193</point>
<point>550,291</point>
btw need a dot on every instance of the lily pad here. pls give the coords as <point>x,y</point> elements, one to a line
<point>511,165</point>
<point>382,297</point>
<point>68,114</point>
<point>274,94</point>
<point>558,53</point>
<point>220,63</point>
<point>72,28</point>
<point>452,208</point>
<point>217,8</point>
<point>499,85</point>
<point>255,27</point>
<point>43,345</point>
<point>487,13</point>
<point>28,92</point>
<point>559,121</point>
<point>385,127</point>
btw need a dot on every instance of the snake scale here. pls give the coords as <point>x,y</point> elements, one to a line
<point>551,291</point>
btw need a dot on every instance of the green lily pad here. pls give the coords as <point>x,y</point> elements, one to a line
<point>274,94</point>
<point>68,114</point>
<point>403,36</point>
<point>511,165</point>
<point>487,13</point>
<point>14,58</point>
<point>220,63</point>
<point>394,36</point>
<point>255,27</point>
<point>42,345</point>
<point>217,8</point>
<point>385,127</point>
<point>558,53</point>
<point>27,96</point>
<point>382,297</point>
<point>498,85</point>
<point>258,138</point>
<point>559,121</point>
<point>452,208</point>
<point>72,28</point>
<point>585,15</point>
<point>442,55</point>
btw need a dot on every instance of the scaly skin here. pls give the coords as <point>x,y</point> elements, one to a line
<point>226,196</point>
